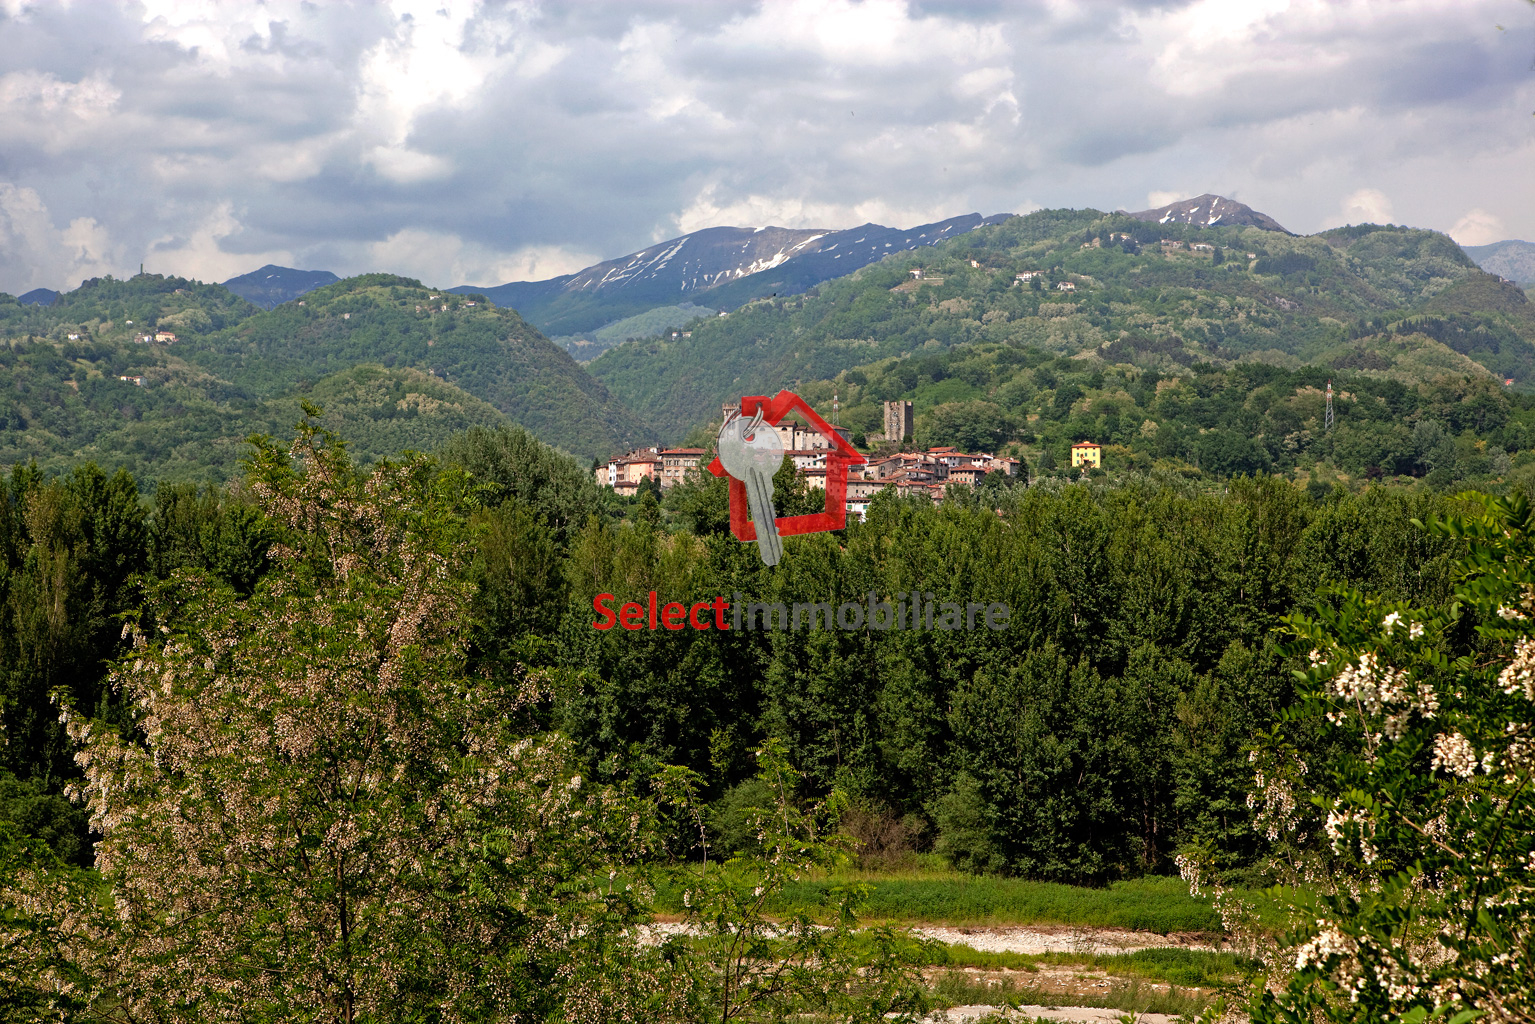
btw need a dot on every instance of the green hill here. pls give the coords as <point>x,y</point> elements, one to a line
<point>400,364</point>
<point>1138,293</point>
<point>61,405</point>
<point>487,351</point>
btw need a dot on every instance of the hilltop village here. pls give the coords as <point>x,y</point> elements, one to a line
<point>921,473</point>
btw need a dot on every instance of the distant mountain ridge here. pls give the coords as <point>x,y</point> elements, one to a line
<point>720,267</point>
<point>272,285</point>
<point>1509,258</point>
<point>38,297</point>
<point>1208,211</point>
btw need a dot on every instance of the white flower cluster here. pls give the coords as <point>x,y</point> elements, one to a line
<point>1373,688</point>
<point>1277,812</point>
<point>1329,942</point>
<point>1454,753</point>
<point>1519,675</point>
<point>1414,629</point>
<point>1339,827</point>
<point>1370,685</point>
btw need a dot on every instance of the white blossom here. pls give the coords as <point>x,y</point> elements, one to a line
<point>1454,753</point>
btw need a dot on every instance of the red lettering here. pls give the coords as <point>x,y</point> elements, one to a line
<point>721,606</point>
<point>652,609</point>
<point>604,611</point>
<point>631,616</point>
<point>674,615</point>
<point>693,615</point>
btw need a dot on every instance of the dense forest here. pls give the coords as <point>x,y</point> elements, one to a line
<point>1104,729</point>
<point>373,704</point>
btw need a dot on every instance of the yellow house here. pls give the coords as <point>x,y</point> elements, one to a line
<point>1085,453</point>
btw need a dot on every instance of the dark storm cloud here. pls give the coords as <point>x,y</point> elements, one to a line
<point>484,142</point>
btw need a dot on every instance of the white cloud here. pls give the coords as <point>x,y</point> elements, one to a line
<point>444,259</point>
<point>1478,227</point>
<point>1156,200</point>
<point>1366,206</point>
<point>462,140</point>
<point>35,254</point>
<point>202,253</point>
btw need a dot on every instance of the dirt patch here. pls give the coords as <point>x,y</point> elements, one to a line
<point>1045,939</point>
<point>1079,1014</point>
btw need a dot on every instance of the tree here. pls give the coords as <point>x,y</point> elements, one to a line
<point>1415,743</point>
<point>748,967</point>
<point>319,813</point>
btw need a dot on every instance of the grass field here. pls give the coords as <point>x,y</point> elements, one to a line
<point>951,898</point>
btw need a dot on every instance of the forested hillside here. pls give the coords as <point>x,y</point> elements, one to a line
<point>79,380</point>
<point>1102,730</point>
<point>1434,414</point>
<point>485,350</point>
<point>1389,303</point>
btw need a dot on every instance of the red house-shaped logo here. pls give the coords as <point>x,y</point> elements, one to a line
<point>839,459</point>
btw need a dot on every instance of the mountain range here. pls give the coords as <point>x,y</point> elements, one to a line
<point>1199,287</point>
<point>1512,259</point>
<point>720,267</point>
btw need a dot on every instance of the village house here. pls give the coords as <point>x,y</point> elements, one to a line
<point>807,458</point>
<point>624,474</point>
<point>675,464</point>
<point>137,382</point>
<point>795,437</point>
<point>1202,247</point>
<point>971,475</point>
<point>634,469</point>
<point>1087,455</point>
<point>1026,276</point>
<point>1171,243</point>
<point>165,337</point>
<point>1065,286</point>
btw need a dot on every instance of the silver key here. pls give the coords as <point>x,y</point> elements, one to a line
<point>753,462</point>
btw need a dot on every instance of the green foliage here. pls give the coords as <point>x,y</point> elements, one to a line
<point>750,967</point>
<point>648,324</point>
<point>966,830</point>
<point>1401,783</point>
<point>365,827</point>
<point>1103,729</point>
<point>489,352</point>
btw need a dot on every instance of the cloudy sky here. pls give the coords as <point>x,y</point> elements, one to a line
<point>481,142</point>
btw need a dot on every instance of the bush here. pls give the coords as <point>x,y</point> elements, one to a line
<point>966,829</point>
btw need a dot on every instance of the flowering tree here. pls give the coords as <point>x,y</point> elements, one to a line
<point>322,813</point>
<point>742,965</point>
<point>1421,819</point>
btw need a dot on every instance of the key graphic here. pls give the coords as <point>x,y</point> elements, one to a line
<point>752,452</point>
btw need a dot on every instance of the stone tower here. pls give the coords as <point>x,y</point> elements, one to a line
<point>898,421</point>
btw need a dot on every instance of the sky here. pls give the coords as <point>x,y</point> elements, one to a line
<point>480,142</point>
